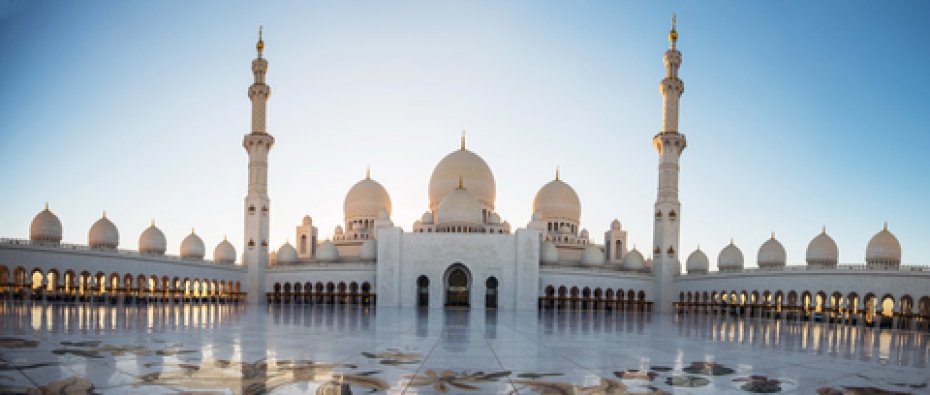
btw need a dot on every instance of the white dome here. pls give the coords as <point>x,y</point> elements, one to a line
<point>45,227</point>
<point>634,260</point>
<point>365,199</point>
<point>494,219</point>
<point>822,250</point>
<point>772,254</point>
<point>697,262</point>
<point>584,235</point>
<point>152,241</point>
<point>192,247</point>
<point>883,248</point>
<point>224,252</point>
<point>327,252</point>
<point>466,164</point>
<point>369,250</point>
<point>459,207</point>
<point>557,199</point>
<point>287,254</point>
<point>548,253</point>
<point>592,255</point>
<point>103,234</point>
<point>730,258</point>
<point>427,218</point>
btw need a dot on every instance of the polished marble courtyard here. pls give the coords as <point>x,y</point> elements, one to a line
<point>349,349</point>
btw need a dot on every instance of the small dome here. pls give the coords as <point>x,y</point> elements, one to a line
<point>822,250</point>
<point>365,199</point>
<point>697,262</point>
<point>103,234</point>
<point>338,230</point>
<point>327,252</point>
<point>287,254</point>
<point>494,219</point>
<point>45,227</point>
<point>427,218</point>
<point>730,258</point>
<point>592,255</point>
<point>557,199</point>
<point>369,251</point>
<point>883,248</point>
<point>152,241</point>
<point>584,235</point>
<point>468,165</point>
<point>772,254</point>
<point>634,260</point>
<point>192,247</point>
<point>460,207</point>
<point>224,252</point>
<point>548,253</point>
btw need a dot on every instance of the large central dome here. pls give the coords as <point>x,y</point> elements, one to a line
<point>471,168</point>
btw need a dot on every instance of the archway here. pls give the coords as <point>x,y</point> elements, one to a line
<point>490,296</point>
<point>458,285</point>
<point>422,291</point>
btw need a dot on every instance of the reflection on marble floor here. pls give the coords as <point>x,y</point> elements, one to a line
<point>336,349</point>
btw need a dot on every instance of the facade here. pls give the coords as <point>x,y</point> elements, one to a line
<point>462,253</point>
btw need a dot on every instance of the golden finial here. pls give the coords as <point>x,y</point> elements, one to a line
<point>886,225</point>
<point>461,183</point>
<point>260,45</point>
<point>773,235</point>
<point>557,172</point>
<point>824,229</point>
<point>673,34</point>
<point>153,221</point>
<point>463,139</point>
<point>104,213</point>
<point>731,241</point>
<point>225,238</point>
<point>192,231</point>
<point>368,173</point>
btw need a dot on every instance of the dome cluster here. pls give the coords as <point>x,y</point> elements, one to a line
<point>103,235</point>
<point>882,252</point>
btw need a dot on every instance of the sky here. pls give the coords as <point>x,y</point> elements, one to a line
<point>798,114</point>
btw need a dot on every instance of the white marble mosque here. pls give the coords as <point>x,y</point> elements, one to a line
<point>463,302</point>
<point>461,252</point>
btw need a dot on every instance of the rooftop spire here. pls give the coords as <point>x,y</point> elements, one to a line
<point>461,183</point>
<point>368,173</point>
<point>557,172</point>
<point>673,34</point>
<point>463,138</point>
<point>260,45</point>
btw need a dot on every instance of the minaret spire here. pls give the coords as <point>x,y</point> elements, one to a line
<point>257,204</point>
<point>463,139</point>
<point>669,143</point>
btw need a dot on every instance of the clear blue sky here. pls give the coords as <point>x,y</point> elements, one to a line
<point>798,114</point>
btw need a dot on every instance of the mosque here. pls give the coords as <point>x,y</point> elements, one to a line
<point>462,253</point>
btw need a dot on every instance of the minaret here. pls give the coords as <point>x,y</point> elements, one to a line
<point>669,143</point>
<point>257,144</point>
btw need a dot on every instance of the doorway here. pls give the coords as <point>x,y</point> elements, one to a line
<point>422,291</point>
<point>458,285</point>
<point>490,296</point>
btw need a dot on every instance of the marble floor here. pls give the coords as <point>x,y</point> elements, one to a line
<point>206,349</point>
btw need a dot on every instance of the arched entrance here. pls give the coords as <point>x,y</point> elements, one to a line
<point>458,286</point>
<point>490,296</point>
<point>422,291</point>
